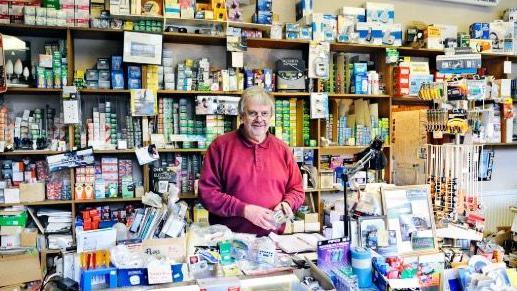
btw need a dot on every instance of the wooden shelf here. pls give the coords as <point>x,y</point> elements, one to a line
<point>369,48</point>
<point>97,33</point>
<point>29,91</point>
<point>305,148</point>
<point>188,196</point>
<point>490,55</point>
<point>335,150</point>
<point>33,30</point>
<point>509,144</point>
<point>178,92</point>
<point>103,91</point>
<point>290,44</point>
<point>138,17</point>
<point>191,38</point>
<point>108,200</point>
<point>290,94</point>
<point>114,151</point>
<point>410,100</point>
<point>50,251</point>
<point>263,27</point>
<point>30,153</point>
<point>38,203</point>
<point>357,96</point>
<point>181,150</point>
<point>194,22</point>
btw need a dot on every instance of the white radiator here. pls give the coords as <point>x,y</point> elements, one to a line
<point>497,208</point>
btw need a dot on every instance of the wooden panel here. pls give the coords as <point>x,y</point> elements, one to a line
<point>34,91</point>
<point>33,30</point>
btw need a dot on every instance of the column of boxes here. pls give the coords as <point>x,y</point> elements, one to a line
<point>125,176</point>
<point>82,13</point>
<point>84,182</point>
<point>109,168</point>
<point>292,122</point>
<point>152,77</point>
<point>169,82</point>
<point>401,84</point>
<point>306,130</point>
<point>214,127</point>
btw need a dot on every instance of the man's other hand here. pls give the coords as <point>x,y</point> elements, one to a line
<point>259,216</point>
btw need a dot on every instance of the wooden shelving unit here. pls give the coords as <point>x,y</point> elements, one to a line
<point>39,203</point>
<point>30,153</point>
<point>377,52</point>
<point>33,91</point>
<point>190,38</point>
<point>108,200</point>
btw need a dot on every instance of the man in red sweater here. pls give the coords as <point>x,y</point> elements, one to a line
<point>249,173</point>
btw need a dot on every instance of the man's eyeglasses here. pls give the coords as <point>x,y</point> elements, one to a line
<point>255,114</point>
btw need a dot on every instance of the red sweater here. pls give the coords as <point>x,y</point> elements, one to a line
<point>237,172</point>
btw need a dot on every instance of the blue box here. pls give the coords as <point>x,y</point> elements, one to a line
<point>392,34</point>
<point>480,30</point>
<point>132,277</point>
<point>104,75</point>
<point>380,12</point>
<point>134,72</point>
<point>360,68</point>
<point>116,63</point>
<point>369,33</point>
<point>264,5</point>
<point>117,79</point>
<point>361,84</point>
<point>264,17</point>
<point>134,83</point>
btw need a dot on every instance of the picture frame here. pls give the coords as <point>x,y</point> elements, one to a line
<point>142,48</point>
<point>369,230</point>
<point>409,213</point>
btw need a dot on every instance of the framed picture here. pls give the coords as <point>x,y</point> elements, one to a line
<point>371,228</point>
<point>409,213</point>
<point>142,48</point>
<point>221,105</point>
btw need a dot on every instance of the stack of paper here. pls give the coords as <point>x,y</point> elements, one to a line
<point>58,221</point>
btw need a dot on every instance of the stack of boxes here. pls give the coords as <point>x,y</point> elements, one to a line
<point>347,20</point>
<point>125,176</point>
<point>84,183</point>
<point>285,120</point>
<point>133,132</point>
<point>264,12</point>
<point>134,77</point>
<point>169,78</point>
<point>298,31</point>
<point>401,84</point>
<point>109,174</point>
<point>51,71</point>
<point>215,126</point>
<point>152,77</point>
<point>33,15</point>
<point>102,130</point>
<point>104,77</point>
<point>480,37</point>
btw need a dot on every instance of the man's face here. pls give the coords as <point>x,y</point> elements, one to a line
<point>256,120</point>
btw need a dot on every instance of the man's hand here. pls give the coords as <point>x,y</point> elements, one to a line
<point>286,208</point>
<point>259,216</point>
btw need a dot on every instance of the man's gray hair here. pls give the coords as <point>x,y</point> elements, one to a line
<point>256,95</point>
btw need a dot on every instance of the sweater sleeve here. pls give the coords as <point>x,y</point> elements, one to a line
<point>294,191</point>
<point>210,187</point>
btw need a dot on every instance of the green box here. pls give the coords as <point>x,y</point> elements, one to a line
<point>14,220</point>
<point>51,4</point>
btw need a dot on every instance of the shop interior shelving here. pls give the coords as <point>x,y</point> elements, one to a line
<point>386,101</point>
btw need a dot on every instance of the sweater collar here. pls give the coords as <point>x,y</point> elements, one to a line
<point>264,144</point>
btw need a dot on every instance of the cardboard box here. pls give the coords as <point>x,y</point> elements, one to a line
<point>10,241</point>
<point>28,237</point>
<point>15,269</point>
<point>32,192</point>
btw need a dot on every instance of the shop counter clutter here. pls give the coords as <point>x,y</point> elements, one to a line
<point>287,280</point>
